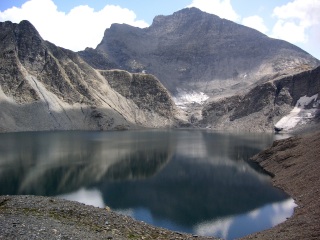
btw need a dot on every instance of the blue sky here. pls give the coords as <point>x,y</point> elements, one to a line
<point>76,24</point>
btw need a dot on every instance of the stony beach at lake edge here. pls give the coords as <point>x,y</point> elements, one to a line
<point>294,162</point>
<point>295,165</point>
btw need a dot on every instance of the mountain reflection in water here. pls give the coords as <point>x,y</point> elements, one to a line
<point>192,181</point>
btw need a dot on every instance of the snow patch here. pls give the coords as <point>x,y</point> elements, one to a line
<point>299,114</point>
<point>184,98</point>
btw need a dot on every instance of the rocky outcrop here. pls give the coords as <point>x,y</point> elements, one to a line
<point>193,51</point>
<point>97,59</point>
<point>44,87</point>
<point>144,89</point>
<point>262,106</point>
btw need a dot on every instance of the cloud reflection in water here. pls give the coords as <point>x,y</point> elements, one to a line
<point>181,180</point>
<point>91,197</point>
<point>227,228</point>
<point>241,225</point>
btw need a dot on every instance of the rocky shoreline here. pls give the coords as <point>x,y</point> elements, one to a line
<point>34,217</point>
<point>294,162</point>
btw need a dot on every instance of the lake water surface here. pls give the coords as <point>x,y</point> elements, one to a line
<point>199,182</point>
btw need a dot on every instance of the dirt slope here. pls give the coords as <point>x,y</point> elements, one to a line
<point>295,163</point>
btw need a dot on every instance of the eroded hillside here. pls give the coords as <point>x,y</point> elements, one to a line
<point>44,87</point>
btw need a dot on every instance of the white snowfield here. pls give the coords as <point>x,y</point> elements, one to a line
<point>299,114</point>
<point>184,98</point>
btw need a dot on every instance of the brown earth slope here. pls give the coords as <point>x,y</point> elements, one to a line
<point>295,163</point>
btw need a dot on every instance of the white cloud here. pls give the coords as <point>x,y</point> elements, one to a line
<point>289,31</point>
<point>80,28</point>
<point>222,8</point>
<point>296,19</point>
<point>255,22</point>
<point>305,11</point>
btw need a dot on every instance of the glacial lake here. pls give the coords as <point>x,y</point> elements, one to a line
<point>198,182</point>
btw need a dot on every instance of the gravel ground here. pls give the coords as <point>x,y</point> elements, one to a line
<point>294,162</point>
<point>33,217</point>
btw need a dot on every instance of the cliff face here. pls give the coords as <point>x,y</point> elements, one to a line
<point>44,87</point>
<point>262,107</point>
<point>194,51</point>
<point>144,89</point>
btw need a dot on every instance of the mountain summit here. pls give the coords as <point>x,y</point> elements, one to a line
<point>191,50</point>
<point>222,75</point>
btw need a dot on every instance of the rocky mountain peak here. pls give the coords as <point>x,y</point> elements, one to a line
<point>185,14</point>
<point>18,32</point>
<point>26,26</point>
<point>182,18</point>
<point>191,50</point>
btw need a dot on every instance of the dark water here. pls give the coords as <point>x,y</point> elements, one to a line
<point>189,181</point>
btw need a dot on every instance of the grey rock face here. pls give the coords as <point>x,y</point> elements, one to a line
<point>264,105</point>
<point>58,69</point>
<point>144,89</point>
<point>44,87</point>
<point>97,59</point>
<point>11,77</point>
<point>195,51</point>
